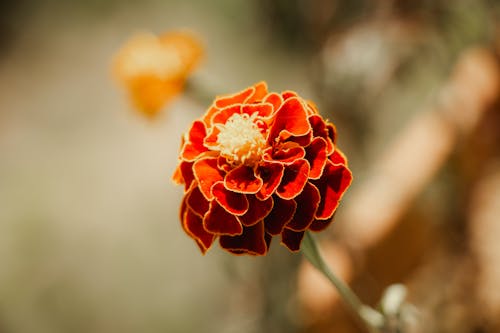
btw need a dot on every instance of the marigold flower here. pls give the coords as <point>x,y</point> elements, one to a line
<point>259,164</point>
<point>154,68</point>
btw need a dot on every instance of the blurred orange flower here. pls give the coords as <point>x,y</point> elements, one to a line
<point>154,68</point>
<point>259,164</point>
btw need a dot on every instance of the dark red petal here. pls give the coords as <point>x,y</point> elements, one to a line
<point>292,239</point>
<point>194,145</point>
<point>271,174</point>
<point>207,174</point>
<point>303,140</point>
<point>281,214</point>
<point>319,225</point>
<point>316,155</point>
<point>294,179</point>
<point>275,99</point>
<point>338,157</point>
<point>242,179</point>
<point>197,202</point>
<point>239,97</point>
<point>287,153</point>
<point>184,174</point>
<point>220,222</point>
<point>308,201</point>
<point>193,226</point>
<point>262,109</point>
<point>252,241</point>
<point>288,94</point>
<point>257,211</point>
<point>320,129</point>
<point>332,185</point>
<point>234,203</point>
<point>291,119</point>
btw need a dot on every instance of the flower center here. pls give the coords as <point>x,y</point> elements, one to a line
<point>240,139</point>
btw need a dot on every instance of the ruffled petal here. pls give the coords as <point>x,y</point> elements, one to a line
<point>252,241</point>
<point>257,211</point>
<point>294,179</point>
<point>233,202</point>
<point>282,213</point>
<point>207,174</point>
<point>338,157</point>
<point>194,145</point>
<point>320,129</point>
<point>219,221</point>
<point>184,174</point>
<point>290,120</point>
<point>242,179</point>
<point>319,225</point>
<point>197,202</point>
<point>332,185</point>
<point>239,97</point>
<point>193,226</point>
<point>259,93</point>
<point>308,201</point>
<point>224,114</point>
<point>316,155</point>
<point>292,239</point>
<point>262,109</point>
<point>275,99</point>
<point>271,175</point>
<point>288,94</point>
<point>286,153</point>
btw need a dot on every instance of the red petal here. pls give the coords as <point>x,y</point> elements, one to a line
<point>287,153</point>
<point>259,93</point>
<point>262,109</point>
<point>332,185</point>
<point>288,94</point>
<point>193,226</point>
<point>220,222</point>
<point>338,157</point>
<point>207,174</point>
<point>252,241</point>
<point>294,179</point>
<point>292,239</point>
<point>291,119</point>
<point>281,214</point>
<point>234,203</point>
<point>197,202</point>
<point>271,174</point>
<point>184,174</point>
<point>316,155</point>
<point>257,211</point>
<point>194,146</point>
<point>275,99</point>
<point>320,129</point>
<point>242,179</point>
<point>319,225</point>
<point>224,114</point>
<point>308,201</point>
<point>239,97</point>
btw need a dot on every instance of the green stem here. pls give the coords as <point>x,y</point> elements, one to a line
<point>373,319</point>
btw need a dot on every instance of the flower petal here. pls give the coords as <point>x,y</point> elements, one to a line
<point>316,155</point>
<point>332,185</point>
<point>291,119</point>
<point>184,174</point>
<point>275,99</point>
<point>207,174</point>
<point>318,225</point>
<point>286,153</point>
<point>271,175</point>
<point>197,202</point>
<point>242,179</point>
<point>308,201</point>
<point>292,239</point>
<point>239,97</point>
<point>193,226</point>
<point>220,222</point>
<point>281,214</point>
<point>194,145</point>
<point>257,211</point>
<point>252,241</point>
<point>320,129</point>
<point>294,179</point>
<point>259,93</point>
<point>338,157</point>
<point>234,203</point>
<point>262,109</point>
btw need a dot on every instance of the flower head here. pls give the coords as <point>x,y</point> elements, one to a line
<point>154,68</point>
<point>259,164</point>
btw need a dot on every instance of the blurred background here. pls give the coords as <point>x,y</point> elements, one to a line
<point>90,239</point>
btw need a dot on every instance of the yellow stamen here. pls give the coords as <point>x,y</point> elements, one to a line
<point>240,139</point>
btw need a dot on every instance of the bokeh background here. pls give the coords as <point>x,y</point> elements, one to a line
<point>89,234</point>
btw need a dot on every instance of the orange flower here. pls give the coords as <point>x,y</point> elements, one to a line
<point>259,164</point>
<point>154,69</point>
